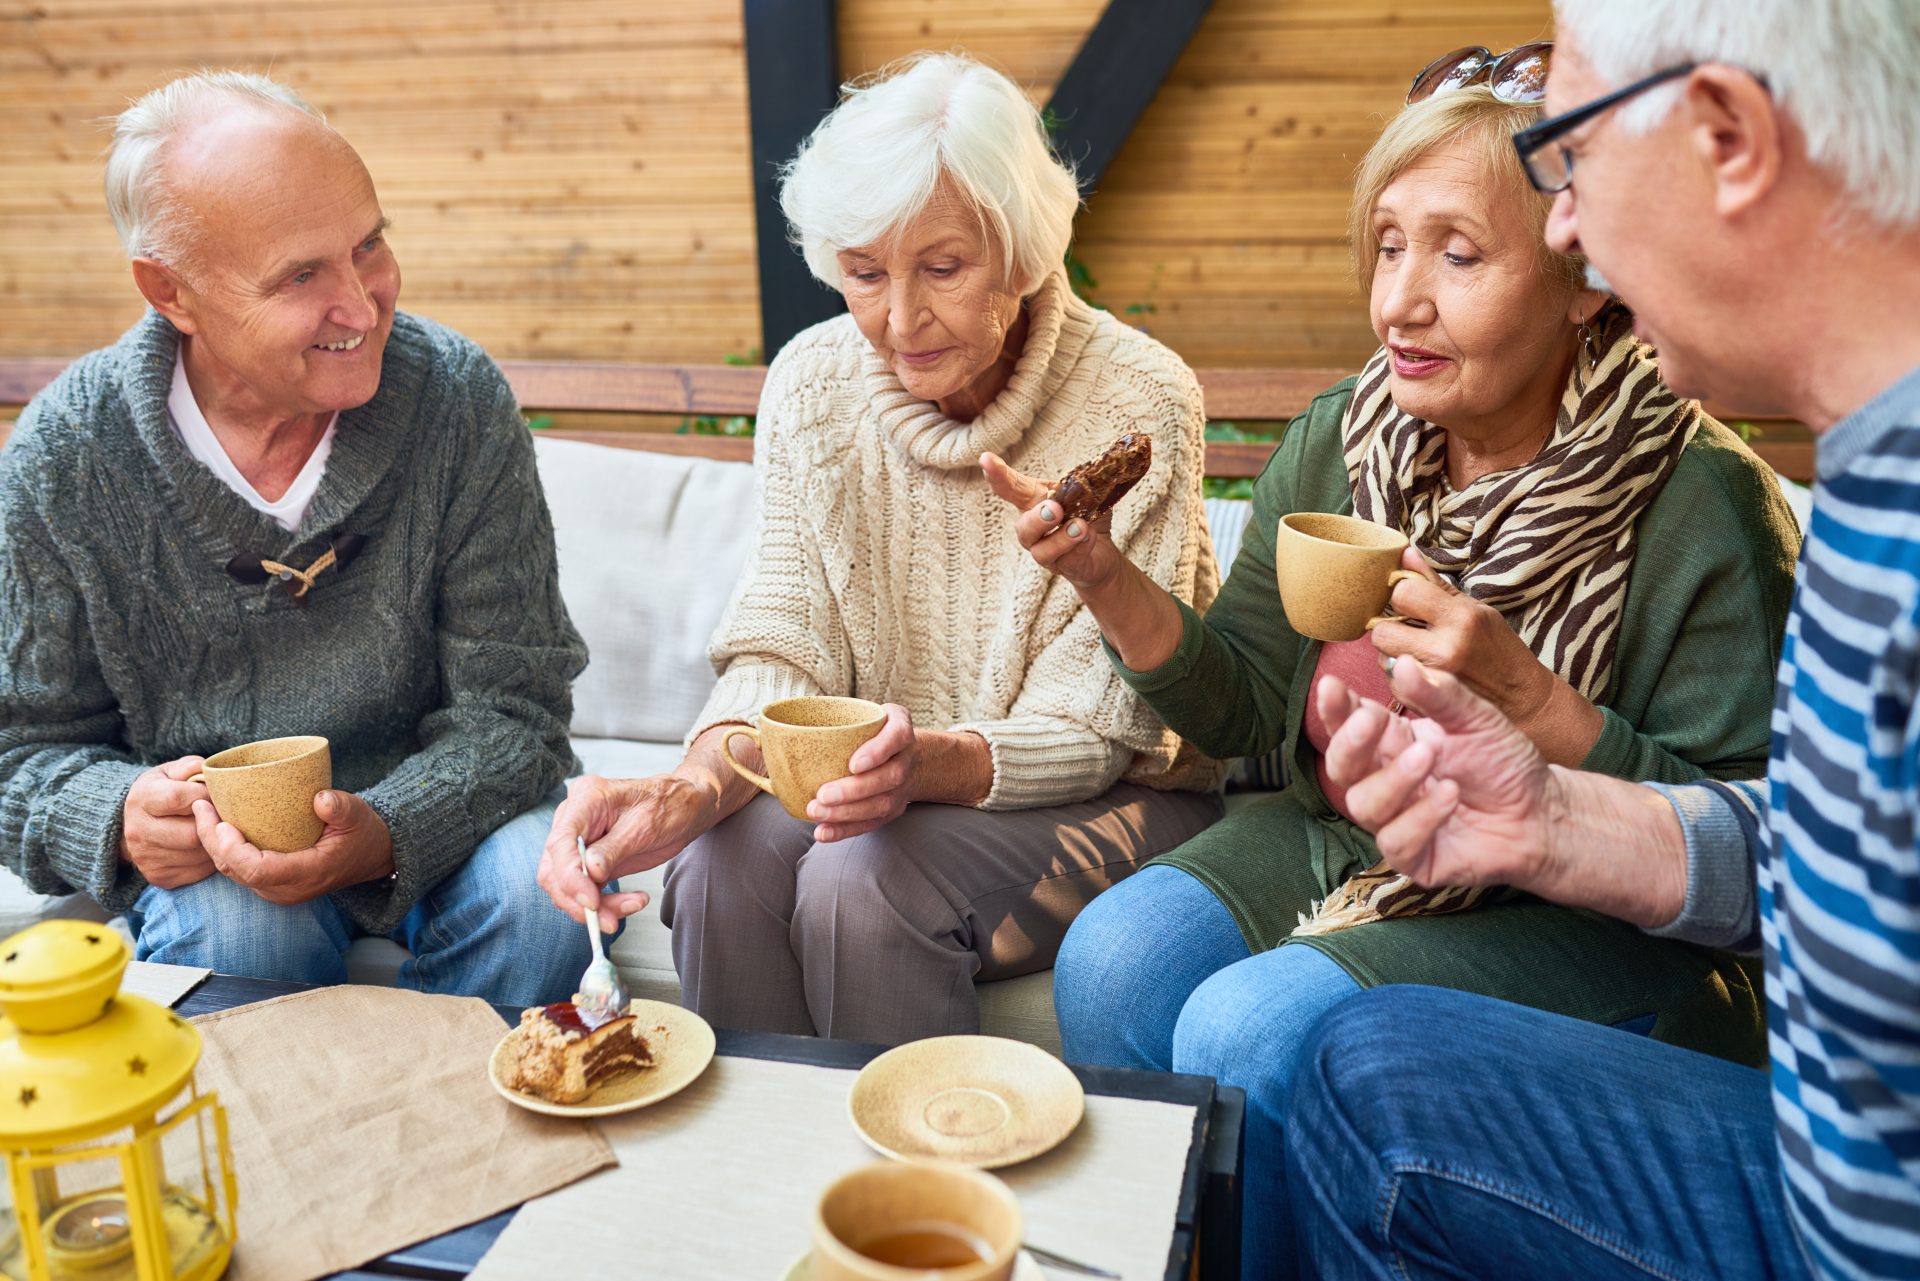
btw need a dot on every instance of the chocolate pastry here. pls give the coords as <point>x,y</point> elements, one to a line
<point>563,1059</point>
<point>1090,490</point>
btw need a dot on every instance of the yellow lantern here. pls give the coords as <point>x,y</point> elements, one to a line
<point>104,1187</point>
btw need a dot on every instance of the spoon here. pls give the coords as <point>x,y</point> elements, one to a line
<point>603,994</point>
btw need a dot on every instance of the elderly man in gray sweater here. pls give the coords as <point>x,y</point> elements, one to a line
<point>155,502</point>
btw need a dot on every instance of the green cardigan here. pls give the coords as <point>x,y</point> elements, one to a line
<point>1692,696</point>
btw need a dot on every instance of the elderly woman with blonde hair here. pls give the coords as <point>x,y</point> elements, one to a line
<point>1016,776</point>
<point>1604,563</point>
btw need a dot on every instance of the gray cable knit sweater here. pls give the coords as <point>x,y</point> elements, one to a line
<point>439,661</point>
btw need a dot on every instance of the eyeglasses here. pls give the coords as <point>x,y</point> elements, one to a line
<point>1518,75</point>
<point>1549,164</point>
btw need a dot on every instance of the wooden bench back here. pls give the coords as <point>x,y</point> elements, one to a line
<point>1250,395</point>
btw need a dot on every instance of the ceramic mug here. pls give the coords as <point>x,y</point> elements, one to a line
<point>1336,573</point>
<point>806,743</point>
<point>915,1219</point>
<point>266,789</point>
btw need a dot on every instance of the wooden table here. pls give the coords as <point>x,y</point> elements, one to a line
<point>1206,1234</point>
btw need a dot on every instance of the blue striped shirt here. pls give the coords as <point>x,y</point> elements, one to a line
<point>1834,856</point>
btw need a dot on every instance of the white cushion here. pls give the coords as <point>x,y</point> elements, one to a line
<point>1227,520</point>
<point>21,907</point>
<point>624,757</point>
<point>650,546</point>
<point>1799,498</point>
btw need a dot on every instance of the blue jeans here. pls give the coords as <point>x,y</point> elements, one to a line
<point>1155,974</point>
<point>1440,1134</point>
<point>488,930</point>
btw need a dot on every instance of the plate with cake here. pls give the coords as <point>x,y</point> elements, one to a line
<point>562,1064</point>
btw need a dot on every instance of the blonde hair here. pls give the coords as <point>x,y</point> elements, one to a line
<point>873,164</point>
<point>1472,116</point>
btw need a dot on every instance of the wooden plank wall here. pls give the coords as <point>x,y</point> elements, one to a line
<point>569,178</point>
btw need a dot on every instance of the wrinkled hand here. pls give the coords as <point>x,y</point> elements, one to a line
<point>630,825</point>
<point>354,846</point>
<point>1465,638</point>
<point>1460,797</point>
<point>1082,552</point>
<point>157,831</point>
<point>880,787</point>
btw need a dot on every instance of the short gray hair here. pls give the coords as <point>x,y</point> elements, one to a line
<point>1843,68</point>
<point>150,223</point>
<point>871,166</point>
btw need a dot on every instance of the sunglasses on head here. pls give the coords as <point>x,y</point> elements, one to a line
<point>1518,75</point>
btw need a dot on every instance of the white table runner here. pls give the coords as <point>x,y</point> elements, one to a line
<point>719,1183</point>
<point>161,983</point>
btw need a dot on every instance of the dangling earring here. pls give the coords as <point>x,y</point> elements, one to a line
<point>1590,342</point>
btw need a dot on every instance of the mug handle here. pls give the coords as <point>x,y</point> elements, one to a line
<point>198,778</point>
<point>760,781</point>
<point>1394,579</point>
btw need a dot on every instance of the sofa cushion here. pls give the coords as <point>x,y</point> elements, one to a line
<point>650,547</point>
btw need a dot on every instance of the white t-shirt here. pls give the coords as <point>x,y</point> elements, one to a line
<point>190,424</point>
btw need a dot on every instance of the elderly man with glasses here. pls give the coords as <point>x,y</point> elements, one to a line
<point>1752,191</point>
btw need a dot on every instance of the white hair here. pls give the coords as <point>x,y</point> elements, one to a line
<point>1844,69</point>
<point>150,222</point>
<point>870,167</point>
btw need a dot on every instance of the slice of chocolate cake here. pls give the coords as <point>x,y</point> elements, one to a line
<point>1090,490</point>
<point>562,1058</point>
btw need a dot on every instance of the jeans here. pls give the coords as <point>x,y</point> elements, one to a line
<point>1155,974</point>
<point>1440,1134</point>
<point>487,930</point>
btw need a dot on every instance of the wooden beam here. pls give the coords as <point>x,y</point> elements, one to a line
<point>1119,68</point>
<point>726,449</point>
<point>22,379</point>
<point>793,79</point>
<point>1251,395</point>
<point>635,389</point>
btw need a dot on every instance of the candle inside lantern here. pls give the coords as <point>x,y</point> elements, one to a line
<point>94,1223</point>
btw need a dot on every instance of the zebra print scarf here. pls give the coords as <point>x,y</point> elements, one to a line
<point>1548,544</point>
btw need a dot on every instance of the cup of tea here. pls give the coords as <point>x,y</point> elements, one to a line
<point>266,789</point>
<point>806,744</point>
<point>915,1220</point>
<point>1336,572</point>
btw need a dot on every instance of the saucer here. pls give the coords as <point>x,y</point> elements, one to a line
<point>1024,1268</point>
<point>983,1101</point>
<point>680,1041</point>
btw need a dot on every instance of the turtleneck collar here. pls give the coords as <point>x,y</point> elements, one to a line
<point>1058,326</point>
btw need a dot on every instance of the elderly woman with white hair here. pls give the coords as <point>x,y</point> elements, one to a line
<point>1016,776</point>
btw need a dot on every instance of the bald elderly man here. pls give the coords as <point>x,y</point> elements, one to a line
<point>279,506</point>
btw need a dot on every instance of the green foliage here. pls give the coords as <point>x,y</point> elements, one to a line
<point>709,424</point>
<point>1747,431</point>
<point>1081,280</point>
<point>1235,433</point>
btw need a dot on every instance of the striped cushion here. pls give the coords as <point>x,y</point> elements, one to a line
<point>1227,520</point>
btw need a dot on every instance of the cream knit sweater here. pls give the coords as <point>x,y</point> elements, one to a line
<point>886,568</point>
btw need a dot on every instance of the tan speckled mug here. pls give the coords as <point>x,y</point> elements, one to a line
<point>806,743</point>
<point>266,789</point>
<point>1336,572</point>
<point>909,1220</point>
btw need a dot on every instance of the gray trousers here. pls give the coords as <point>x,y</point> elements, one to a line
<point>881,937</point>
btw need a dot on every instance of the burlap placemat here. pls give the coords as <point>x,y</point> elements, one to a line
<point>362,1121</point>
<point>718,1183</point>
